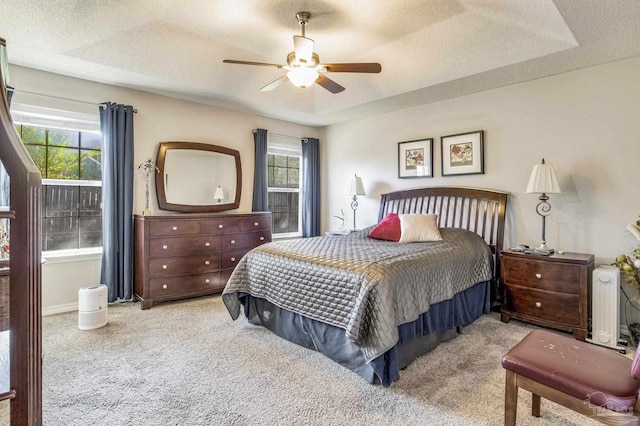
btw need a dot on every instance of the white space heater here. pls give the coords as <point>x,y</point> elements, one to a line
<point>92,307</point>
<point>605,307</point>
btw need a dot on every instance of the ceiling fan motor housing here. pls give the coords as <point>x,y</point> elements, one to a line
<point>294,62</point>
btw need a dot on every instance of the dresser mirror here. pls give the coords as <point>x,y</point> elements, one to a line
<point>198,177</point>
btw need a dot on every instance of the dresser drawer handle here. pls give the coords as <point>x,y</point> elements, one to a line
<point>220,226</point>
<point>233,259</point>
<point>164,286</point>
<point>175,228</point>
<point>539,276</point>
<point>233,241</point>
<point>164,247</point>
<point>164,266</point>
<point>206,281</point>
<point>206,262</point>
<point>261,238</point>
<point>207,244</point>
<point>538,305</point>
<point>255,223</point>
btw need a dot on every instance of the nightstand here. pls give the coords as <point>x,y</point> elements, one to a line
<point>551,291</point>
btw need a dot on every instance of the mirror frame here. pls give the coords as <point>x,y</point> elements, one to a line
<point>186,208</point>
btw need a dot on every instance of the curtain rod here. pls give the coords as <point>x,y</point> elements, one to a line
<point>101,105</point>
<point>278,134</point>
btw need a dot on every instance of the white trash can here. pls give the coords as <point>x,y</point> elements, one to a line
<point>92,307</point>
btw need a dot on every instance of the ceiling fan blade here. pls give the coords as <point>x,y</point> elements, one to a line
<point>368,67</point>
<point>274,84</point>
<point>262,64</point>
<point>329,84</point>
<point>303,47</point>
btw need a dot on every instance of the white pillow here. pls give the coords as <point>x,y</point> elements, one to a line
<point>419,227</point>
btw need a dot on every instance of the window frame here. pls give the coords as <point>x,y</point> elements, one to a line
<point>274,148</point>
<point>57,120</point>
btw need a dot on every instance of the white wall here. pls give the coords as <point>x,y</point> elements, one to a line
<point>159,119</point>
<point>585,122</point>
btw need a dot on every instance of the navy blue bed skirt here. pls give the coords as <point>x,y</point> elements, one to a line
<point>438,324</point>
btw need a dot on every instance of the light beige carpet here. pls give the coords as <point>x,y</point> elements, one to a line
<point>187,363</point>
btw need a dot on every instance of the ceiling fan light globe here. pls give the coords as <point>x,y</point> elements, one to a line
<point>302,77</point>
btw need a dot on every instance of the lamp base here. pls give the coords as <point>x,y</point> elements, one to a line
<point>543,249</point>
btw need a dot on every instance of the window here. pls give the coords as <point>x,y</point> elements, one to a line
<point>283,186</point>
<point>71,166</point>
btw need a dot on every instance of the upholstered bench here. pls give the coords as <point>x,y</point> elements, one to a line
<point>589,379</point>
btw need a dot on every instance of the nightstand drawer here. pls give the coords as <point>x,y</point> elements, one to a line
<point>557,307</point>
<point>558,277</point>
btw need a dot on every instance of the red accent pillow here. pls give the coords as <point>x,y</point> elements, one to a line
<point>388,229</point>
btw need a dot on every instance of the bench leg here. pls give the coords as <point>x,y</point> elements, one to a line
<point>535,405</point>
<point>510,399</point>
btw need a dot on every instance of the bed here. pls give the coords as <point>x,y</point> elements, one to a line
<point>373,306</point>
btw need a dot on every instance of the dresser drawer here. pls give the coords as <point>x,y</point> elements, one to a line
<point>183,265</point>
<point>230,259</point>
<point>224,276</point>
<point>173,286</point>
<point>165,247</point>
<point>248,239</point>
<point>550,276</point>
<point>218,226</point>
<point>173,228</point>
<point>255,223</point>
<point>557,307</point>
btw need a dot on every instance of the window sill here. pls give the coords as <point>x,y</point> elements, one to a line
<point>289,236</point>
<point>65,256</point>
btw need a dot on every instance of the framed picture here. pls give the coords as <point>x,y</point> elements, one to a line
<point>463,154</point>
<point>415,158</point>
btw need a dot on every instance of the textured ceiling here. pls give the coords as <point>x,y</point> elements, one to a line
<point>429,49</point>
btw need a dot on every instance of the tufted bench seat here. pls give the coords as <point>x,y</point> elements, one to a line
<point>589,379</point>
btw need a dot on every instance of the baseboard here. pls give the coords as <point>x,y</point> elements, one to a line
<point>58,309</point>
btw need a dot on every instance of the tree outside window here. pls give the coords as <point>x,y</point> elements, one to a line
<point>71,165</point>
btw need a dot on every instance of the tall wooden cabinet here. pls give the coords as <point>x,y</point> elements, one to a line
<point>188,255</point>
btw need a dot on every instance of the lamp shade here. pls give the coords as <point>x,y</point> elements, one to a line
<point>219,194</point>
<point>355,187</point>
<point>543,180</point>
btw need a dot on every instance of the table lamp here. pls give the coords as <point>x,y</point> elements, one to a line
<point>543,180</point>
<point>355,188</point>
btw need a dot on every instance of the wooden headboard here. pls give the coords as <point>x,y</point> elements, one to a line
<point>478,210</point>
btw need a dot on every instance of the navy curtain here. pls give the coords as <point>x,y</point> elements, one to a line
<point>260,195</point>
<point>310,187</point>
<point>116,125</point>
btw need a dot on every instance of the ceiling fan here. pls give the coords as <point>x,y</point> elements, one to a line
<point>304,67</point>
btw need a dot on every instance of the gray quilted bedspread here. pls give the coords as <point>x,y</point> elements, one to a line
<point>366,287</point>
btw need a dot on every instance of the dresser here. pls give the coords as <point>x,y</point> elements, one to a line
<point>551,291</point>
<point>189,255</point>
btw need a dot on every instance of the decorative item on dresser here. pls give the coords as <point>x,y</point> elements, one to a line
<point>551,291</point>
<point>188,255</point>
